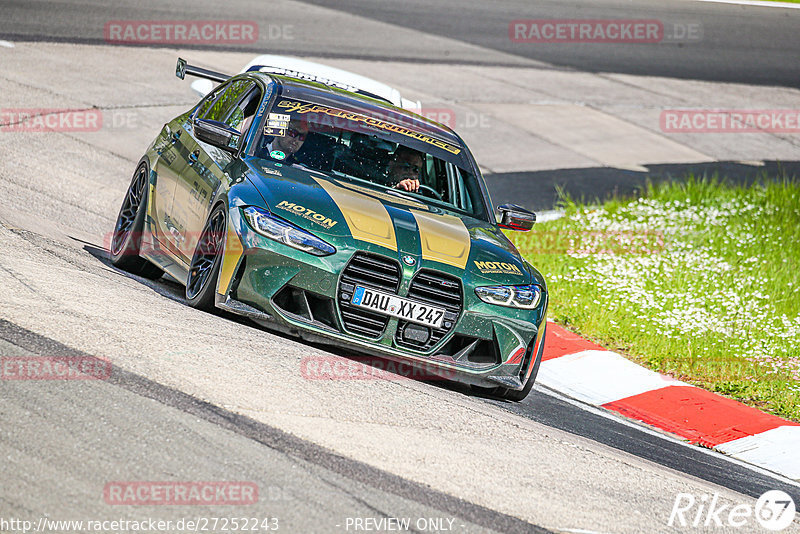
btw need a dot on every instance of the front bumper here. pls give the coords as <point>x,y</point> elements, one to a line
<point>300,294</point>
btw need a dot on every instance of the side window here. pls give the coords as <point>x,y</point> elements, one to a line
<point>437,178</point>
<point>459,193</point>
<point>222,106</point>
<point>242,114</point>
<point>209,99</point>
<point>236,117</point>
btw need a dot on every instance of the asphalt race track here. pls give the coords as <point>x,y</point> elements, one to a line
<point>735,44</point>
<point>199,397</point>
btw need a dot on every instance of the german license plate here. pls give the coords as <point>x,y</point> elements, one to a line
<point>388,304</point>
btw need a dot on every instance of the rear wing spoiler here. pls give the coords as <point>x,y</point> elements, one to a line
<point>183,68</point>
<point>305,70</point>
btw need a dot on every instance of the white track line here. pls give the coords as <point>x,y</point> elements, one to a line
<point>756,3</point>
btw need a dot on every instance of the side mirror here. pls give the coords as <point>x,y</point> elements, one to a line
<point>513,217</point>
<point>218,134</point>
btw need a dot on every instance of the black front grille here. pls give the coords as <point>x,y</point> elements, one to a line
<point>367,270</point>
<point>437,289</point>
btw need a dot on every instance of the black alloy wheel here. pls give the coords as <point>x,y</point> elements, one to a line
<point>126,239</point>
<point>206,261</point>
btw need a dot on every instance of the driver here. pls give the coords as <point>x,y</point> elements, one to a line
<point>404,169</point>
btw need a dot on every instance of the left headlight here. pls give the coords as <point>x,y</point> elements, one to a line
<point>279,230</point>
<point>523,297</point>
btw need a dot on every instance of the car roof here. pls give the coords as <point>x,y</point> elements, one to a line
<point>337,77</point>
<point>336,97</point>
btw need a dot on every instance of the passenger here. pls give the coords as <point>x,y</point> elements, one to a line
<point>403,171</point>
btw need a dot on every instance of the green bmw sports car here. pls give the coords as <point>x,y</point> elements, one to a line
<point>337,217</point>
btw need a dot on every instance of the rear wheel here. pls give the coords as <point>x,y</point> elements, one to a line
<point>126,241</point>
<point>204,270</point>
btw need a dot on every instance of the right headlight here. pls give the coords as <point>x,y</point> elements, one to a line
<point>265,224</point>
<point>523,297</point>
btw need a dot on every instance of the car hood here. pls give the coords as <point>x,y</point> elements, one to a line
<point>353,216</point>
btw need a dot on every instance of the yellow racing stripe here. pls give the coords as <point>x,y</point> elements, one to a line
<point>366,217</point>
<point>230,259</point>
<point>396,199</point>
<point>444,238</point>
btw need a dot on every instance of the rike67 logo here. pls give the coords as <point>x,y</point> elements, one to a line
<point>774,510</point>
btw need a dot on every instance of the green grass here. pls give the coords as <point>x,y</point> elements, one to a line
<point>698,280</point>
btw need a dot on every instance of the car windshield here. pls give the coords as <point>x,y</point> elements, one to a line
<point>378,152</point>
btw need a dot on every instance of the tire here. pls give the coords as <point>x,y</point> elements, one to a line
<point>126,240</point>
<point>518,395</point>
<point>201,284</point>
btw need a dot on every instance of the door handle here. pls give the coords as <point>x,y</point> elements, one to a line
<point>194,156</point>
<point>175,137</point>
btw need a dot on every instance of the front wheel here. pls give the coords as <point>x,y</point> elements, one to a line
<point>126,240</point>
<point>204,270</point>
